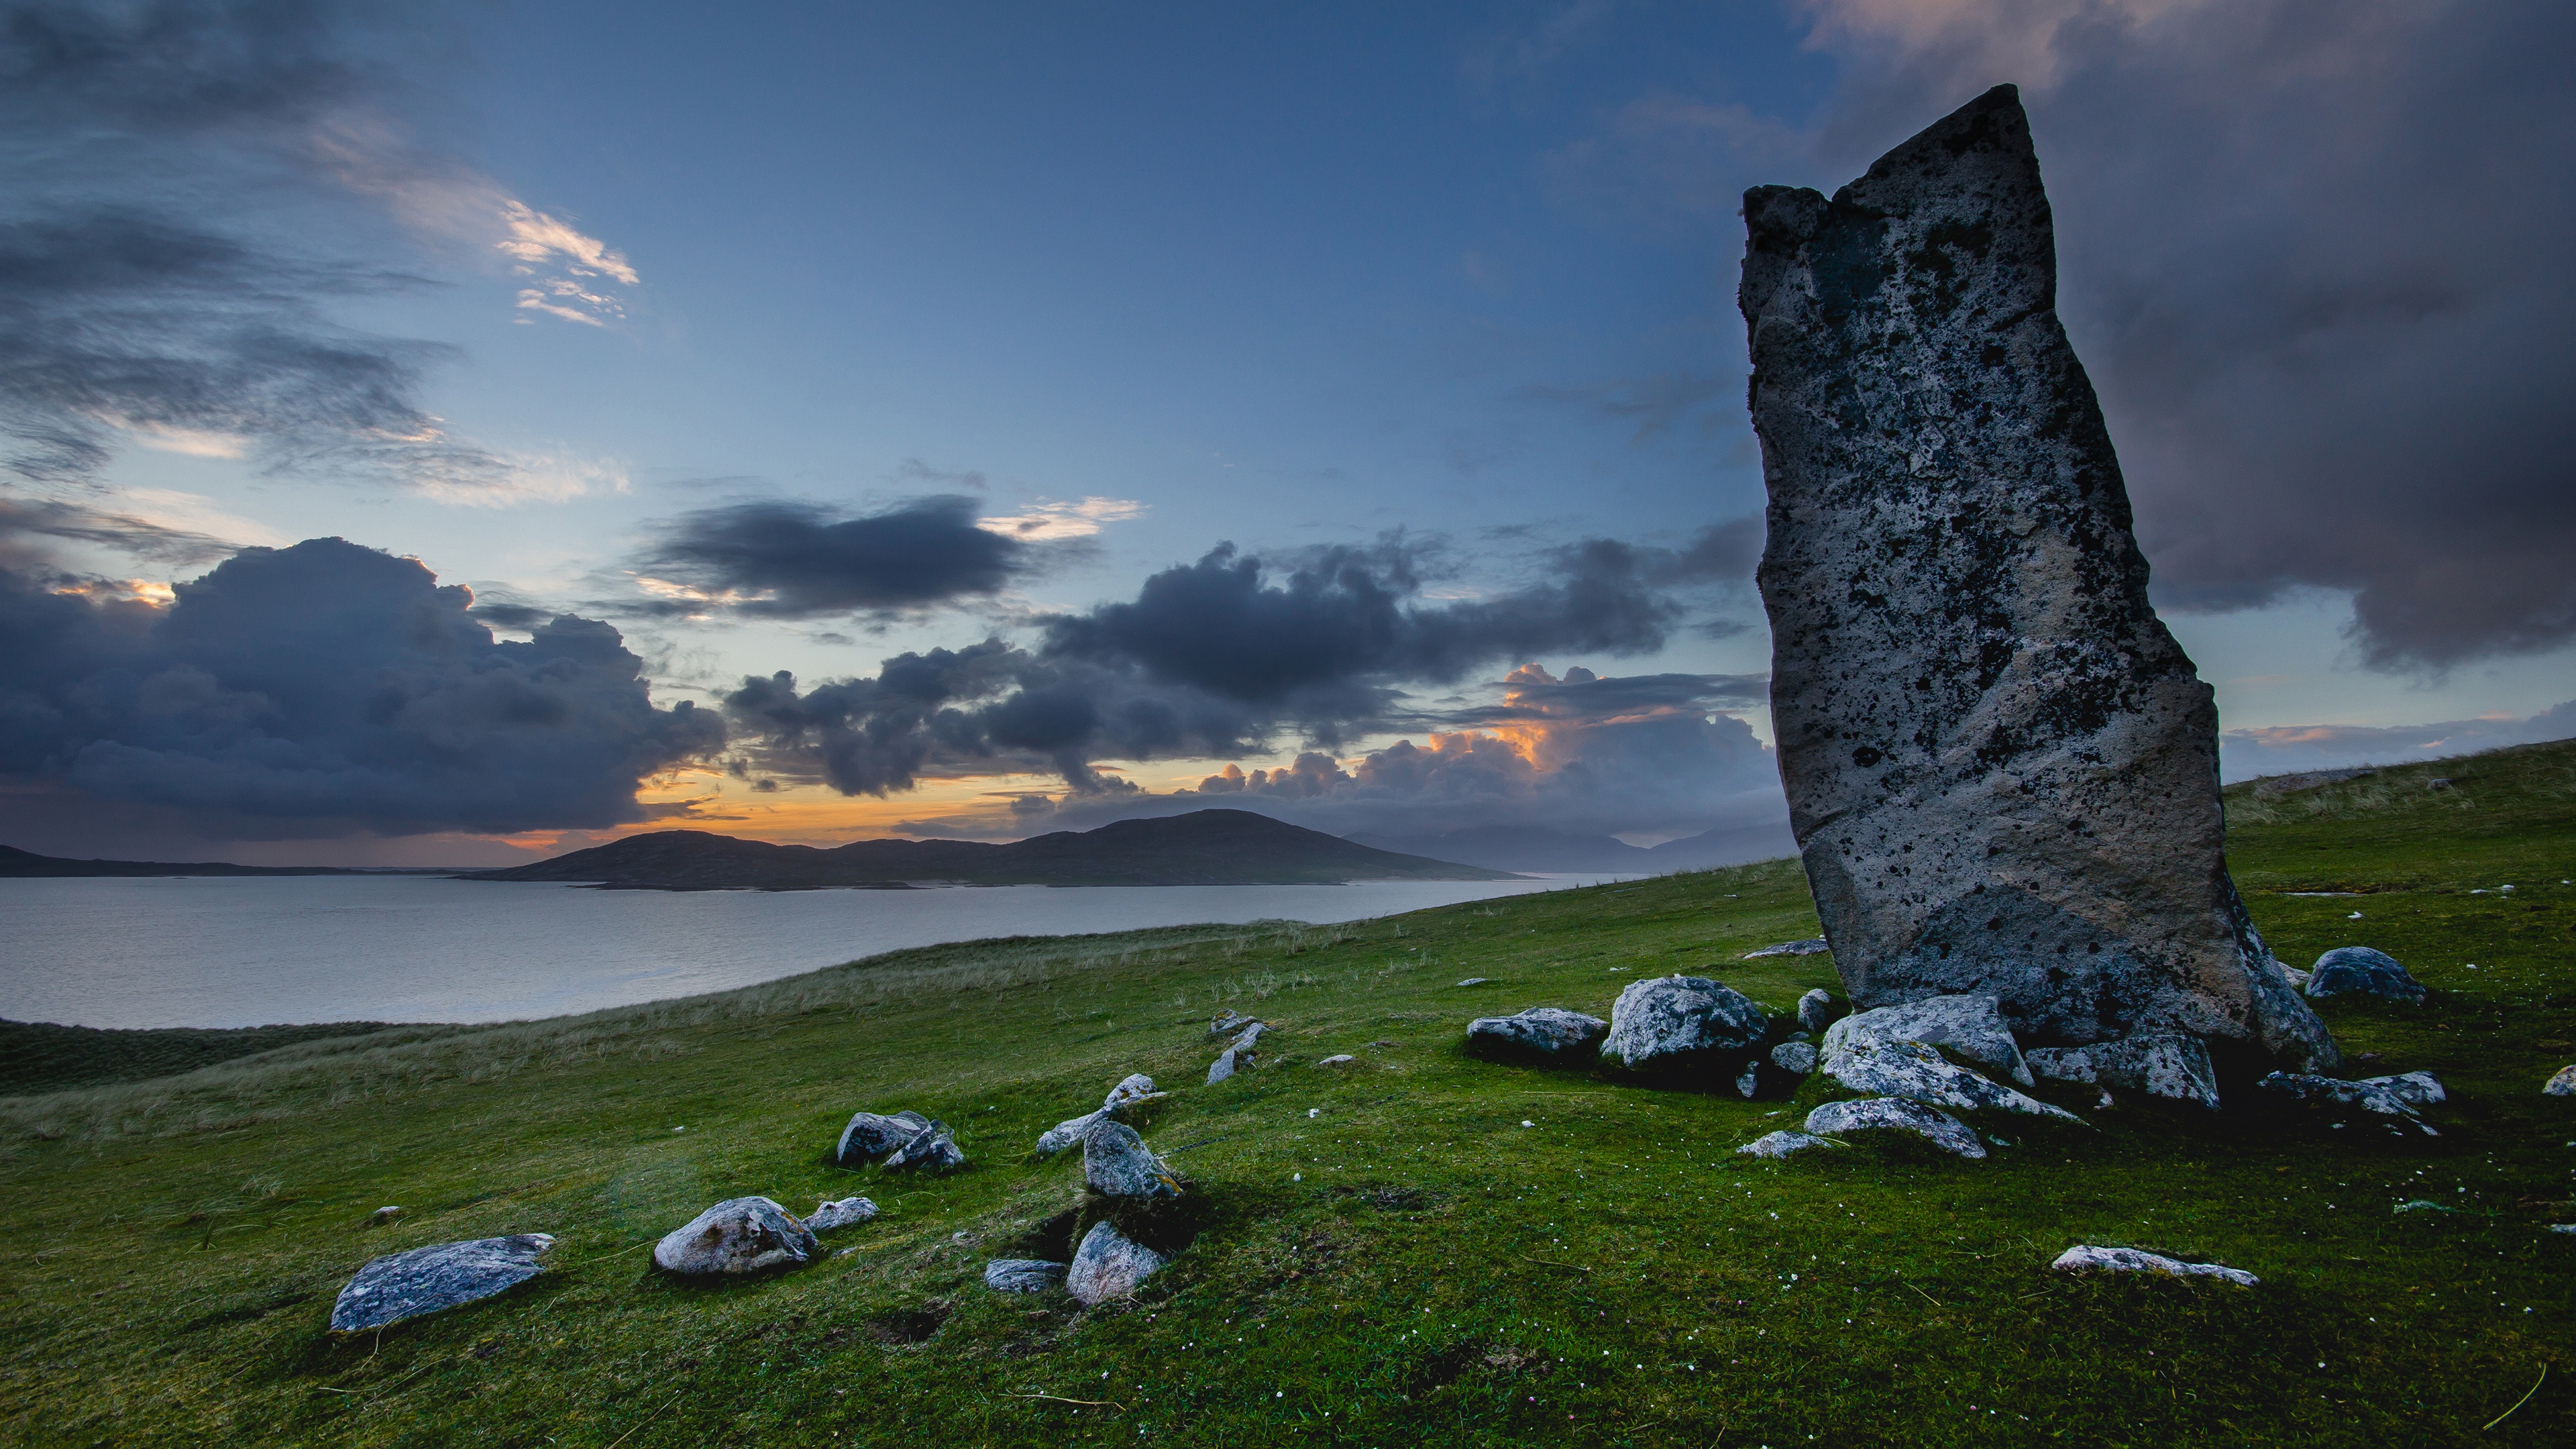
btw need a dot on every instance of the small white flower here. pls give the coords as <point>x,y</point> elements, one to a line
<point>1527,1122</point>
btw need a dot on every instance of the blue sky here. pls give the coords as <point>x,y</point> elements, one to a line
<point>1446,288</point>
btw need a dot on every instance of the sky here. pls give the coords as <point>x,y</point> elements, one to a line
<point>442,434</point>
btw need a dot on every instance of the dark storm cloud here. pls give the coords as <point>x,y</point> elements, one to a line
<point>2314,254</point>
<point>175,66</point>
<point>1210,659</point>
<point>790,560</point>
<point>328,689</point>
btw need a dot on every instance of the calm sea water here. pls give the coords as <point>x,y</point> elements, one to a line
<point>183,951</point>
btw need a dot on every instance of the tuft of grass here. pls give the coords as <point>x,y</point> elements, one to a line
<point>1375,1253</point>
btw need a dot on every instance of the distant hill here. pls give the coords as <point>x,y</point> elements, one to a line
<point>1525,848</point>
<point>1206,847</point>
<point>18,864</point>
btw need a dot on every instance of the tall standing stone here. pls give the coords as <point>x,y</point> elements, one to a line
<point>2001,768</point>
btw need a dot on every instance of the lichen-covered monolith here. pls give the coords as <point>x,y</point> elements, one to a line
<point>2002,770</point>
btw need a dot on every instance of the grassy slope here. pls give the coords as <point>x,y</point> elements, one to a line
<point>1439,1274</point>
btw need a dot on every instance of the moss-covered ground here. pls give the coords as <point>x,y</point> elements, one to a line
<point>1419,1249</point>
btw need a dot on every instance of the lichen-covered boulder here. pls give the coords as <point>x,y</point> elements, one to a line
<point>2002,769</point>
<point>1797,1058</point>
<point>1227,1023</point>
<point>1816,1010</point>
<point>2361,971</point>
<point>1022,1275</point>
<point>1893,1114</point>
<point>1914,1071</point>
<point>1068,1133</point>
<point>1132,1089</point>
<point>2396,1096</point>
<point>1678,1021</point>
<point>1547,1032</point>
<point>847,1212</point>
<point>1971,1026</point>
<point>2085,1258</point>
<point>1107,1265</point>
<point>737,1238</point>
<point>2561,1085</point>
<point>932,1149</point>
<point>398,1286</point>
<point>2162,1065</point>
<point>1777,1145</point>
<point>1116,1163</point>
<point>872,1135</point>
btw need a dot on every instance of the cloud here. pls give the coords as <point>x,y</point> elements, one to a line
<point>2285,749</point>
<point>1047,522</point>
<point>326,690</point>
<point>791,560</point>
<point>2313,258</point>
<point>190,181</point>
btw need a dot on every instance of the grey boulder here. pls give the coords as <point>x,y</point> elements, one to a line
<point>1022,1275</point>
<point>1068,1133</point>
<point>424,1280</point>
<point>872,1135</point>
<point>736,1238</point>
<point>2361,971</point>
<point>1912,1070</point>
<point>1797,1058</point>
<point>1816,1010</point>
<point>2396,1096</point>
<point>1541,1031</point>
<point>2561,1085</point>
<point>848,1212</point>
<point>1239,1053</point>
<point>1132,1089</point>
<point>1812,946</point>
<point>1780,1144</point>
<point>1894,1114</point>
<point>1680,1020</point>
<point>2163,1065</point>
<point>1227,1023</point>
<point>1972,1026</point>
<point>2085,1258</point>
<point>1108,1265</point>
<point>1116,1163</point>
<point>931,1149</point>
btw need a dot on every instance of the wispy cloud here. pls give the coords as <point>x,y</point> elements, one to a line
<point>1047,522</point>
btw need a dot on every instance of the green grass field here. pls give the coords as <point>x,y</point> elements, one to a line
<point>1387,1255</point>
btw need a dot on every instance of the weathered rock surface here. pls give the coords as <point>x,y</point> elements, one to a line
<point>871,1135</point>
<point>406,1285</point>
<point>1337,1059</point>
<point>1068,1133</point>
<point>735,1238</point>
<point>1749,1081</point>
<point>2563,1084</point>
<point>2002,770</point>
<point>1022,1275</point>
<point>385,1216</point>
<point>1238,1053</point>
<point>931,1149</point>
<point>2361,971</point>
<point>1132,1089</point>
<point>1541,1031</point>
<point>1894,1114</point>
<point>2085,1258</point>
<point>1816,1010</point>
<point>1912,1070</point>
<point>1971,1026</point>
<point>1780,1144</point>
<point>1227,1023</point>
<point>1795,1057</point>
<point>1812,946</point>
<point>1116,1163</point>
<point>2163,1065</point>
<point>2396,1096</point>
<point>1107,1265</point>
<point>1680,1020</point>
<point>847,1212</point>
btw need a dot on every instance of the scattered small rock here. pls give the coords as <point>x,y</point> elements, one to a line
<point>1133,1088</point>
<point>1812,946</point>
<point>872,1135</point>
<point>1337,1059</point>
<point>2295,977</point>
<point>2168,1064</point>
<point>2437,784</point>
<point>1239,1053</point>
<point>1022,1275</point>
<point>932,1148</point>
<point>1911,1069</point>
<point>1972,1026</point>
<point>848,1212</point>
<point>2085,1258</point>
<point>1477,981</point>
<point>2562,1227</point>
<point>737,1237</point>
<point>2396,1096</point>
<point>1227,1023</point>
<point>2421,1205</point>
<point>1797,1058</point>
<point>2361,971</point>
<point>1675,1020</point>
<point>2563,1084</point>
<point>424,1280</point>
<point>1816,1010</point>
<point>389,1213</point>
<point>1541,1031</point>
<point>1107,1265</point>
<point>1894,1114</point>
<point>1780,1144</point>
<point>1116,1163</point>
<point>1751,1082</point>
